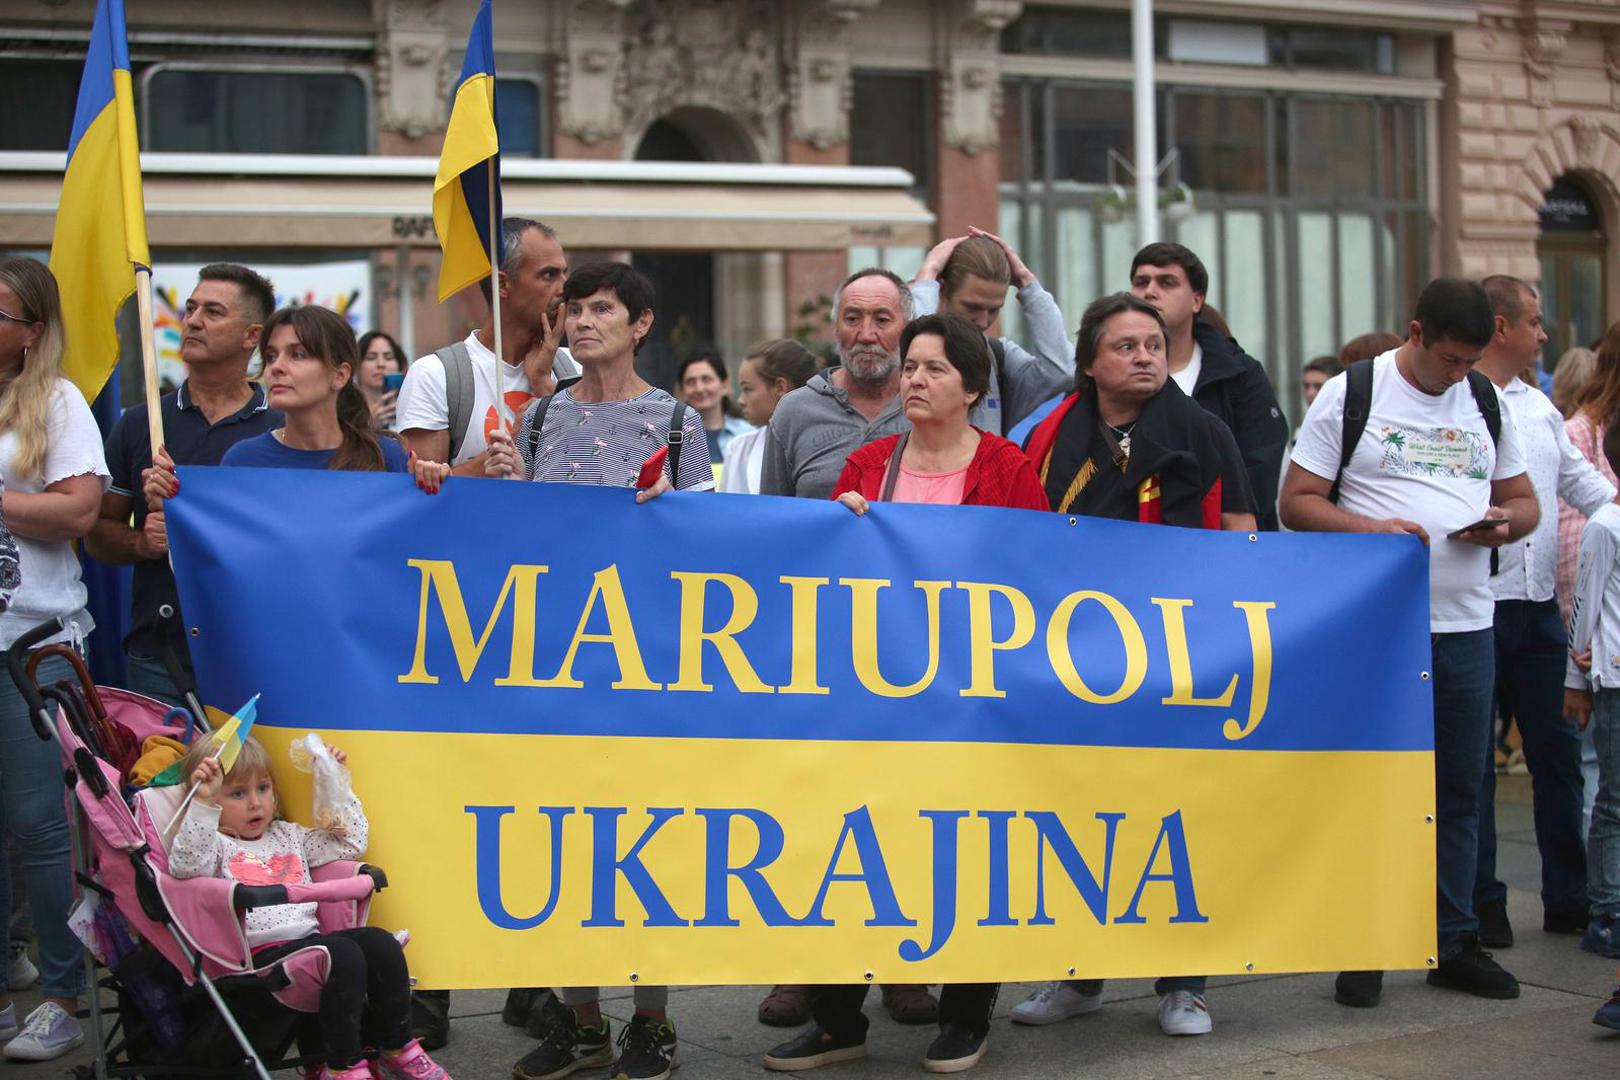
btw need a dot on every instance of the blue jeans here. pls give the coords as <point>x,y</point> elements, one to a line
<point>1603,846</point>
<point>33,800</point>
<point>147,675</point>
<point>1464,675</point>
<point>1530,659</point>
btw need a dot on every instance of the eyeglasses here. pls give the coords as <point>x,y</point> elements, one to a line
<point>6,316</point>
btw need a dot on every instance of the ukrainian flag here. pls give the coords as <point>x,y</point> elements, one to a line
<point>100,234</point>
<point>461,190</point>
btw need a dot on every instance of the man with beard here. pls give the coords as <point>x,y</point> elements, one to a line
<point>816,427</point>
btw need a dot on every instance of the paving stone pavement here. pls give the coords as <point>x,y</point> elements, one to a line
<point>1286,1027</point>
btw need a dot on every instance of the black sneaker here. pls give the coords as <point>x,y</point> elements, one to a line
<point>957,1049</point>
<point>812,1050</point>
<point>1571,921</point>
<point>1495,932</point>
<point>547,1010</point>
<point>1471,970</point>
<point>646,1050</point>
<point>1359,989</point>
<point>430,1018</point>
<point>522,1004</point>
<point>565,1047</point>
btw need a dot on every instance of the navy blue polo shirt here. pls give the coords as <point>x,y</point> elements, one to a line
<point>191,440</point>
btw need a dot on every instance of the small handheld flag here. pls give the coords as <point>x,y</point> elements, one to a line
<point>227,738</point>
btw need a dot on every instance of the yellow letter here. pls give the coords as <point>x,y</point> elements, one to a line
<point>621,635</point>
<point>1260,641</point>
<point>744,606</point>
<point>980,629</point>
<point>864,637</point>
<point>441,575</point>
<point>1130,634</point>
<point>1181,677</point>
<point>803,638</point>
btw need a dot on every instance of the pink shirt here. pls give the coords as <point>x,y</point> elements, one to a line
<point>937,489</point>
<point>1588,439</point>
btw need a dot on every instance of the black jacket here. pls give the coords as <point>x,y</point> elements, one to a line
<point>1233,386</point>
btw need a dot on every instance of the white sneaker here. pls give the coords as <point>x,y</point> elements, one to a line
<point>1183,1012</point>
<point>49,1032</point>
<point>20,971</point>
<point>1053,1002</point>
<point>8,1021</point>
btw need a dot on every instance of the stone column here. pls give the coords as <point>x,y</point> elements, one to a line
<point>967,168</point>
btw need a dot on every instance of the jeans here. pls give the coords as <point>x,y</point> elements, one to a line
<point>1464,674</point>
<point>366,998</point>
<point>147,675</point>
<point>1603,845</point>
<point>1589,779</point>
<point>1530,660</point>
<point>1165,984</point>
<point>838,1008</point>
<point>646,997</point>
<point>34,804</point>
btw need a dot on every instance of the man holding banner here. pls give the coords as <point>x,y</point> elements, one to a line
<point>1415,442</point>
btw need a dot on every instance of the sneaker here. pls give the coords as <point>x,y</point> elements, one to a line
<point>411,1063</point>
<point>1608,1014</point>
<point>646,1050</point>
<point>49,1032</point>
<point>1602,936</point>
<point>520,1005</point>
<point>1471,970</point>
<point>361,1071</point>
<point>8,1021</point>
<point>812,1050</point>
<point>548,1010</point>
<point>20,971</point>
<point>566,1046</point>
<point>957,1049</point>
<point>1359,989</point>
<point>430,1018</point>
<point>1055,1001</point>
<point>1571,921</point>
<point>1182,1012</point>
<point>1495,932</point>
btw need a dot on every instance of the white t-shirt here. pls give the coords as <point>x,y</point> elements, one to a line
<point>1187,377</point>
<point>744,461</point>
<point>424,401</point>
<point>1426,459</point>
<point>47,571</point>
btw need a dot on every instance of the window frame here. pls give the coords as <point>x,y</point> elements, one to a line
<point>361,72</point>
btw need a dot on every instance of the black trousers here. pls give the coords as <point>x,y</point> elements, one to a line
<point>838,1008</point>
<point>367,996</point>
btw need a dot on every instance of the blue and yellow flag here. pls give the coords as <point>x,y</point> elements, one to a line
<point>461,190</point>
<point>100,234</point>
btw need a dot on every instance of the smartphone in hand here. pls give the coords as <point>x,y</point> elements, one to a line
<point>1476,526</point>
<point>394,380</point>
<point>652,469</point>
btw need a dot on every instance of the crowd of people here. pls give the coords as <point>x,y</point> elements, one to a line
<point>1149,412</point>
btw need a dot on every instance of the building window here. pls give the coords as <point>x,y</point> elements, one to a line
<point>522,120</point>
<point>896,124</point>
<point>1058,31</point>
<point>250,111</point>
<point>40,96</point>
<point>1332,49</point>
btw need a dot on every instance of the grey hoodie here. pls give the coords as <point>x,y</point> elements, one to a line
<point>812,432</point>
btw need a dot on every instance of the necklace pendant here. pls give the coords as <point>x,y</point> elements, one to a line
<point>1125,447</point>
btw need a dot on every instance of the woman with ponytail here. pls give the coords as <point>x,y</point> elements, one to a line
<point>310,356</point>
<point>54,474</point>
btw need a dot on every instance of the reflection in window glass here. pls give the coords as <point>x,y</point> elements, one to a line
<point>1119,248</point>
<point>1316,299</point>
<point>1389,280</point>
<point>1201,233</point>
<point>1086,124</point>
<point>256,112</point>
<point>1011,219</point>
<point>1078,286</point>
<point>1358,273</point>
<point>1222,140</point>
<point>1332,143</point>
<point>1586,297</point>
<point>1244,303</point>
<point>1066,32</point>
<point>1333,49</point>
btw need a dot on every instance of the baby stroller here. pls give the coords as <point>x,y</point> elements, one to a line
<point>191,1000</point>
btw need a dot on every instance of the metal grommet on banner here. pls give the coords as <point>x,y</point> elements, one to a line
<point>868,976</point>
<point>1071,973</point>
<point>634,977</point>
<point>195,632</point>
<point>1249,966</point>
<point>412,979</point>
<point>1072,523</point>
<point>1428,819</point>
<point>1254,539</point>
<point>1424,676</point>
<point>1431,961</point>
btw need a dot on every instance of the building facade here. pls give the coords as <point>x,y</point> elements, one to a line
<point>1324,158</point>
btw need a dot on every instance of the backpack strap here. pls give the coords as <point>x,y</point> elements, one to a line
<point>458,392</point>
<point>891,475</point>
<point>677,435</point>
<point>536,419</point>
<point>998,367</point>
<point>1358,386</point>
<point>1490,407</point>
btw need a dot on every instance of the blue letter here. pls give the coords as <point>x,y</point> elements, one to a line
<point>1180,875</point>
<point>608,866</point>
<point>874,873</point>
<point>998,901</point>
<point>487,863</point>
<point>1049,830</point>
<point>717,911</point>
<point>944,884</point>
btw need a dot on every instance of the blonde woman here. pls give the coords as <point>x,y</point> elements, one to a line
<point>54,473</point>
<point>1570,376</point>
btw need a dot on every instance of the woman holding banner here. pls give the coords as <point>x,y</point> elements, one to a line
<point>54,472</point>
<point>945,461</point>
<point>1129,445</point>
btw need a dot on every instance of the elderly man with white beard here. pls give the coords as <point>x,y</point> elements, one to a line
<point>816,427</point>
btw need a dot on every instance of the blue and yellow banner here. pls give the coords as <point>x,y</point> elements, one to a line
<point>463,187</point>
<point>733,739</point>
<point>100,232</point>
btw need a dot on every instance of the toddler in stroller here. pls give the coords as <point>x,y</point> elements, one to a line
<point>231,831</point>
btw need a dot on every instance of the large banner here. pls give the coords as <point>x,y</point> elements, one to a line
<point>731,739</point>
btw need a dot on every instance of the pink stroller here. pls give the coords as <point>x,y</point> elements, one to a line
<point>191,1000</point>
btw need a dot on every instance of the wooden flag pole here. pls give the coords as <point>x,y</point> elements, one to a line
<point>495,250</point>
<point>154,408</point>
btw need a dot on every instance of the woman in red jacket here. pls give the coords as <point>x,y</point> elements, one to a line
<point>944,460</point>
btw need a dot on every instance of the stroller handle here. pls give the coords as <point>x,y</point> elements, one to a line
<point>16,660</point>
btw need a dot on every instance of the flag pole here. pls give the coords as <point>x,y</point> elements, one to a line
<point>143,305</point>
<point>495,248</point>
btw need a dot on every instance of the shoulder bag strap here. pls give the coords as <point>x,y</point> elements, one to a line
<point>891,475</point>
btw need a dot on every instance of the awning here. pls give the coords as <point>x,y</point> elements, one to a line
<point>271,201</point>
